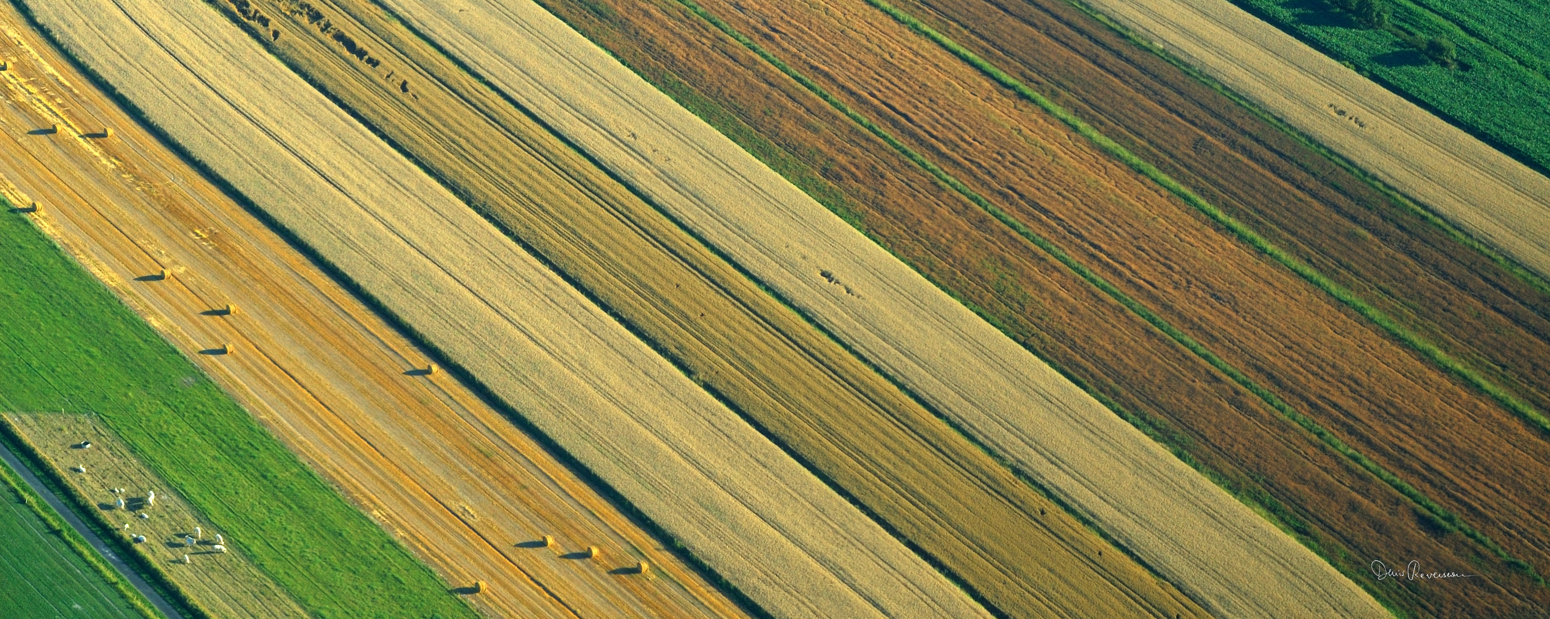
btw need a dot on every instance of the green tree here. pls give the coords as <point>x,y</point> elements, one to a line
<point>1441,51</point>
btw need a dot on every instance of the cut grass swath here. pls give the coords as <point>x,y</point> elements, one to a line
<point>1443,518</point>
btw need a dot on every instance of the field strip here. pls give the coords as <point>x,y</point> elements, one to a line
<point>926,483</point>
<point>453,478</point>
<point>1449,519</point>
<point>220,582</point>
<point>1479,189</point>
<point>30,490</point>
<point>1238,228</point>
<point>1429,350</point>
<point>996,390</point>
<point>685,461</point>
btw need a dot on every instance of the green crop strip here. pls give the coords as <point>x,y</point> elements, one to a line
<point>1442,518</point>
<point>1238,228</point>
<point>1524,274</point>
<point>71,539</point>
<point>67,343</point>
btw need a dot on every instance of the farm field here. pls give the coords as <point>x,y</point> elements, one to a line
<point>933,346</point>
<point>98,356</point>
<point>1347,513</point>
<point>1477,188</point>
<point>1499,88</point>
<point>933,487</point>
<point>723,308</point>
<point>1474,309</point>
<point>689,464</point>
<point>41,576</point>
<point>219,584</point>
<point>450,477</point>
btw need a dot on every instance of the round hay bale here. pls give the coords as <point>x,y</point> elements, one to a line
<point>591,552</point>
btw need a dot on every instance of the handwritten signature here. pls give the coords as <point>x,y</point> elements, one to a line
<point>1412,571</point>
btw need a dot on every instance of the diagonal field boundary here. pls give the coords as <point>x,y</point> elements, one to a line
<point>1242,231</point>
<point>1445,518</point>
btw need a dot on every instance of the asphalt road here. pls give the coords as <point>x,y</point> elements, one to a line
<point>91,536</point>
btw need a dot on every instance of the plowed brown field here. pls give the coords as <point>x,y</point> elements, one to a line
<point>1352,516</point>
<point>449,476</point>
<point>1435,285</point>
<point>943,494</point>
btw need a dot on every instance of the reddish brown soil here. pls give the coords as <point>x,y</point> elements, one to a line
<point>1456,297</point>
<point>1323,366</point>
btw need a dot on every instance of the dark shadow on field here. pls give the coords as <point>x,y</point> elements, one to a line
<point>43,131</point>
<point>1318,13</point>
<point>423,372</point>
<point>154,277</point>
<point>1402,58</point>
<point>623,571</point>
<point>469,590</point>
<point>20,209</point>
<point>215,312</point>
<point>537,543</point>
<point>213,351</point>
<point>576,556</point>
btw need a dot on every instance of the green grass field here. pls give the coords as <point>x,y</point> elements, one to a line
<point>67,344</point>
<point>1501,90</point>
<point>41,576</point>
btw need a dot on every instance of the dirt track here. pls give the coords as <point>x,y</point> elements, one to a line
<point>925,482</point>
<point>451,478</point>
<point>934,346</point>
<point>691,465</point>
<point>1486,193</point>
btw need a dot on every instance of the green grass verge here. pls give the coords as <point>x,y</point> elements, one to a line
<point>48,570</point>
<point>1441,517</point>
<point>66,343</point>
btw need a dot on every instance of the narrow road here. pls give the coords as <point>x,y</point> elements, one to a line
<point>91,536</point>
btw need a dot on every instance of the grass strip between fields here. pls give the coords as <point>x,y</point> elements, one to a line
<point>1238,228</point>
<point>67,343</point>
<point>76,543</point>
<point>1443,518</point>
<point>1524,274</point>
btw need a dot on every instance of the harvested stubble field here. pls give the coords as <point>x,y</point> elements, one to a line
<point>980,380</point>
<point>945,496</point>
<point>450,477</point>
<point>1323,498</point>
<point>688,463</point>
<point>1282,332</point>
<point>1390,254</point>
<point>1486,193</point>
<point>68,344</point>
<point>219,584</point>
